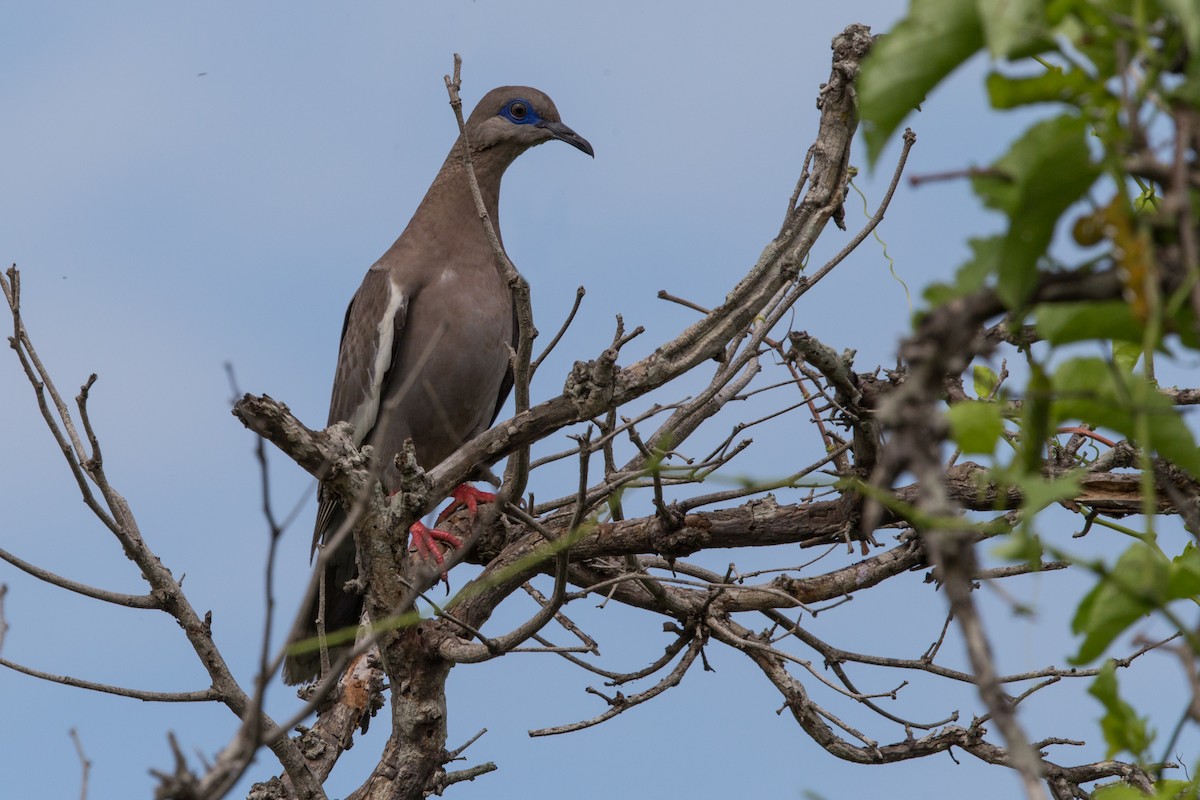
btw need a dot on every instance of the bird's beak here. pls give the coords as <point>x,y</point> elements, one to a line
<point>565,134</point>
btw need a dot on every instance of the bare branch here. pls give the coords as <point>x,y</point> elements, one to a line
<point>128,600</point>
<point>619,703</point>
<point>203,695</point>
<point>537,362</point>
<point>84,763</point>
<point>116,515</point>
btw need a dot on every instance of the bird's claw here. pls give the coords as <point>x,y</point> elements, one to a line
<point>465,495</point>
<point>423,537</point>
<point>422,541</point>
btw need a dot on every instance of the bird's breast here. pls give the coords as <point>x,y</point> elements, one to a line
<point>453,358</point>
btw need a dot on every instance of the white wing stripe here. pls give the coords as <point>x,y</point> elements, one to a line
<point>366,414</point>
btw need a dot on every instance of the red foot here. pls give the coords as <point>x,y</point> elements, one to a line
<point>465,495</point>
<point>423,539</point>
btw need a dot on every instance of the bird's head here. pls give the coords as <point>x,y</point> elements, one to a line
<point>515,118</point>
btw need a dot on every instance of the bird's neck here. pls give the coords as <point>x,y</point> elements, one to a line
<point>453,182</point>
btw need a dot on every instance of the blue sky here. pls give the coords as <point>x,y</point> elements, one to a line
<point>186,185</point>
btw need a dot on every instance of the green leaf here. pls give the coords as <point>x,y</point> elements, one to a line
<point>1041,175</point>
<point>1035,421</point>
<point>1037,491</point>
<point>1163,790</point>
<point>1054,86</point>
<point>971,275</point>
<point>1184,580</point>
<point>923,48</point>
<point>1126,355</point>
<point>1022,546</point>
<point>1090,390</point>
<point>1118,791</point>
<point>1013,28</point>
<point>1175,790</point>
<point>984,261</point>
<point>1061,323</point>
<point>975,426</point>
<point>1189,90</point>
<point>1091,29</point>
<point>1134,587</point>
<point>1124,730</point>
<point>1188,13</point>
<point>984,379</point>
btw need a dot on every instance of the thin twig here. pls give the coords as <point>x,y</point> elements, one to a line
<point>203,695</point>
<point>517,472</point>
<point>117,598</point>
<point>84,763</point>
<point>621,703</point>
<point>3,621</point>
<point>537,362</point>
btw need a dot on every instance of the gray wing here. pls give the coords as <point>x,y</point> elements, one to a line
<point>507,384</point>
<point>371,337</point>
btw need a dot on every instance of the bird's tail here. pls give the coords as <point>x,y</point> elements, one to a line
<point>342,611</point>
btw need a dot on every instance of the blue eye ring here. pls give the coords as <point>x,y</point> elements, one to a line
<point>519,111</point>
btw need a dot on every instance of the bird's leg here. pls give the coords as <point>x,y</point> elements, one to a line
<point>423,539</point>
<point>465,495</point>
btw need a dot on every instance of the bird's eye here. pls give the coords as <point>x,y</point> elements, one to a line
<point>518,110</point>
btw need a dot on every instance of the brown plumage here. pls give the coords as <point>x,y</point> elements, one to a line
<point>428,334</point>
